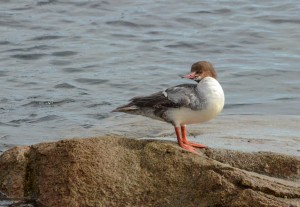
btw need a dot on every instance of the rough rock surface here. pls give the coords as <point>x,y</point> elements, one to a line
<point>113,171</point>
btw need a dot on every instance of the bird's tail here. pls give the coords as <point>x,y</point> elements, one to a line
<point>126,108</point>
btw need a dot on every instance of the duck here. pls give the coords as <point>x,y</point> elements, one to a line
<point>183,104</point>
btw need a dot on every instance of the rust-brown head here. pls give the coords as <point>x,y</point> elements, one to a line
<point>200,70</point>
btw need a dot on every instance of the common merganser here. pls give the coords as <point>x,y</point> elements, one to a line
<point>183,104</point>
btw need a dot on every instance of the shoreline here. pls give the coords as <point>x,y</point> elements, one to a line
<point>248,133</point>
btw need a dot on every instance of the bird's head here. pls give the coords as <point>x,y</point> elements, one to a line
<point>200,70</point>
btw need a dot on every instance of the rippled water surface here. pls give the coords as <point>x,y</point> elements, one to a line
<point>64,65</point>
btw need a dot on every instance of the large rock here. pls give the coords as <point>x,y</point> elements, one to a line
<point>114,171</point>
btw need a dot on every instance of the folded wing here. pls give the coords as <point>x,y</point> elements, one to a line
<point>184,95</point>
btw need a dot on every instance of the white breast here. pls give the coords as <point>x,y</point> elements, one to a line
<point>209,90</point>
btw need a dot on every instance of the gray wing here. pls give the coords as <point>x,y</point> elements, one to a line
<point>184,95</point>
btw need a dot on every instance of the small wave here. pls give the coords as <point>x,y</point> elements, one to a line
<point>47,37</point>
<point>87,126</point>
<point>72,70</point>
<point>64,53</point>
<point>233,46</point>
<point>60,62</point>
<point>8,124</point>
<point>152,40</point>
<point>127,24</point>
<point>123,35</point>
<point>41,3</point>
<point>122,23</point>
<point>45,118</point>
<point>5,43</point>
<point>91,81</point>
<point>28,56</point>
<point>201,12</point>
<point>4,137</point>
<point>3,73</point>
<point>99,5</point>
<point>183,45</point>
<point>119,85</point>
<point>4,100</point>
<point>11,23</point>
<point>229,106</point>
<point>32,120</point>
<point>217,11</point>
<point>154,32</point>
<point>38,47</point>
<point>91,66</point>
<point>27,7</point>
<point>104,103</point>
<point>64,85</point>
<point>282,21</point>
<point>98,116</point>
<point>48,103</point>
<point>285,98</point>
<point>222,11</point>
<point>19,121</point>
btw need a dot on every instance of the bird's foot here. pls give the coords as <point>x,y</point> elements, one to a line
<point>193,144</point>
<point>189,148</point>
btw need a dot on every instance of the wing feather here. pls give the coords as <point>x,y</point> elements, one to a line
<point>174,97</point>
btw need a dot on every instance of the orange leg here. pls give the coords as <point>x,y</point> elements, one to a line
<point>185,141</point>
<point>181,144</point>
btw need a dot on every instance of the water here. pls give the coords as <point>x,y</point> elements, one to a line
<point>64,65</point>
